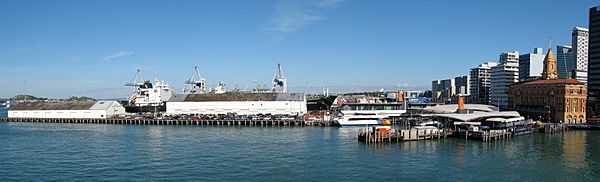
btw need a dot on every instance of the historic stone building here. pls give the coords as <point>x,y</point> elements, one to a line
<point>550,99</point>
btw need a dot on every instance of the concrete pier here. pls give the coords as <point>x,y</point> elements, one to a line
<point>172,122</point>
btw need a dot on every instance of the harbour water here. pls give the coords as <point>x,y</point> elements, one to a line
<point>89,152</point>
<point>3,112</point>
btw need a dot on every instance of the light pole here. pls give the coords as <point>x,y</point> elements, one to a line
<point>548,111</point>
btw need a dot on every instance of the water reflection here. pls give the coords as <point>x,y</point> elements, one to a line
<point>459,156</point>
<point>574,147</point>
<point>154,144</point>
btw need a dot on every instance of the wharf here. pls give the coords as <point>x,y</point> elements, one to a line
<point>585,126</point>
<point>552,128</point>
<point>172,122</point>
<point>489,135</point>
<point>400,135</point>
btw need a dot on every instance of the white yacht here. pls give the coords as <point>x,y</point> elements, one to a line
<point>362,120</point>
<point>360,114</point>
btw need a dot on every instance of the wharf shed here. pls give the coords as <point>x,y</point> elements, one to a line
<point>240,103</point>
<point>96,109</point>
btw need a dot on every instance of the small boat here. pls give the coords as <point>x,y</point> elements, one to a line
<point>6,104</point>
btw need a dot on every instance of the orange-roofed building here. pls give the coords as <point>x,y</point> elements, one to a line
<point>550,99</point>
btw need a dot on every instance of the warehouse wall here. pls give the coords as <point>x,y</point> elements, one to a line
<point>242,107</point>
<point>57,114</point>
<point>115,109</point>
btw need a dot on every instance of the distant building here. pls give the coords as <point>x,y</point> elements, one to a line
<point>594,62</point>
<point>550,99</point>
<point>530,65</point>
<point>97,109</point>
<point>481,83</point>
<point>565,63</point>
<point>580,53</point>
<point>502,76</point>
<point>445,90</point>
<point>414,94</point>
<point>463,83</point>
<point>442,90</point>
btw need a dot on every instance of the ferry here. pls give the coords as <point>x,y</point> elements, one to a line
<point>360,114</point>
<point>359,120</point>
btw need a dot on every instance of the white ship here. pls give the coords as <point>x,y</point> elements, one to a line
<point>148,96</point>
<point>360,114</point>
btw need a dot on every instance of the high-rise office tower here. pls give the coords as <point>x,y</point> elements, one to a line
<point>594,62</point>
<point>481,83</point>
<point>580,53</point>
<point>564,61</point>
<point>530,65</point>
<point>503,75</point>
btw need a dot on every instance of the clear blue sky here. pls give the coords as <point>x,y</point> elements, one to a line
<point>92,48</point>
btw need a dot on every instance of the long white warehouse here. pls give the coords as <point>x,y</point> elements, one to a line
<point>240,103</point>
<point>98,109</point>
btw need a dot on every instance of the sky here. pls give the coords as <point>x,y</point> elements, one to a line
<point>62,48</point>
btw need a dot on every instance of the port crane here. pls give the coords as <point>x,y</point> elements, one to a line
<point>196,83</point>
<point>279,80</point>
<point>139,84</point>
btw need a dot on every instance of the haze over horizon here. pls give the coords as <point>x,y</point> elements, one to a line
<point>91,48</point>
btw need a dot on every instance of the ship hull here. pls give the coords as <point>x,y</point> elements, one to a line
<point>138,109</point>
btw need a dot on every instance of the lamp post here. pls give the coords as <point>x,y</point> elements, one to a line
<point>548,111</point>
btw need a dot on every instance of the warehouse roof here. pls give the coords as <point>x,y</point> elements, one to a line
<point>54,106</point>
<point>480,115</point>
<point>103,105</point>
<point>96,105</point>
<point>230,96</point>
<point>451,108</point>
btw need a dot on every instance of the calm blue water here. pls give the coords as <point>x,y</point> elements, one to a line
<point>45,151</point>
<point>3,112</point>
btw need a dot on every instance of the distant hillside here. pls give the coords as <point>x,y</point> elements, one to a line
<point>34,98</point>
<point>80,98</point>
<point>26,97</point>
